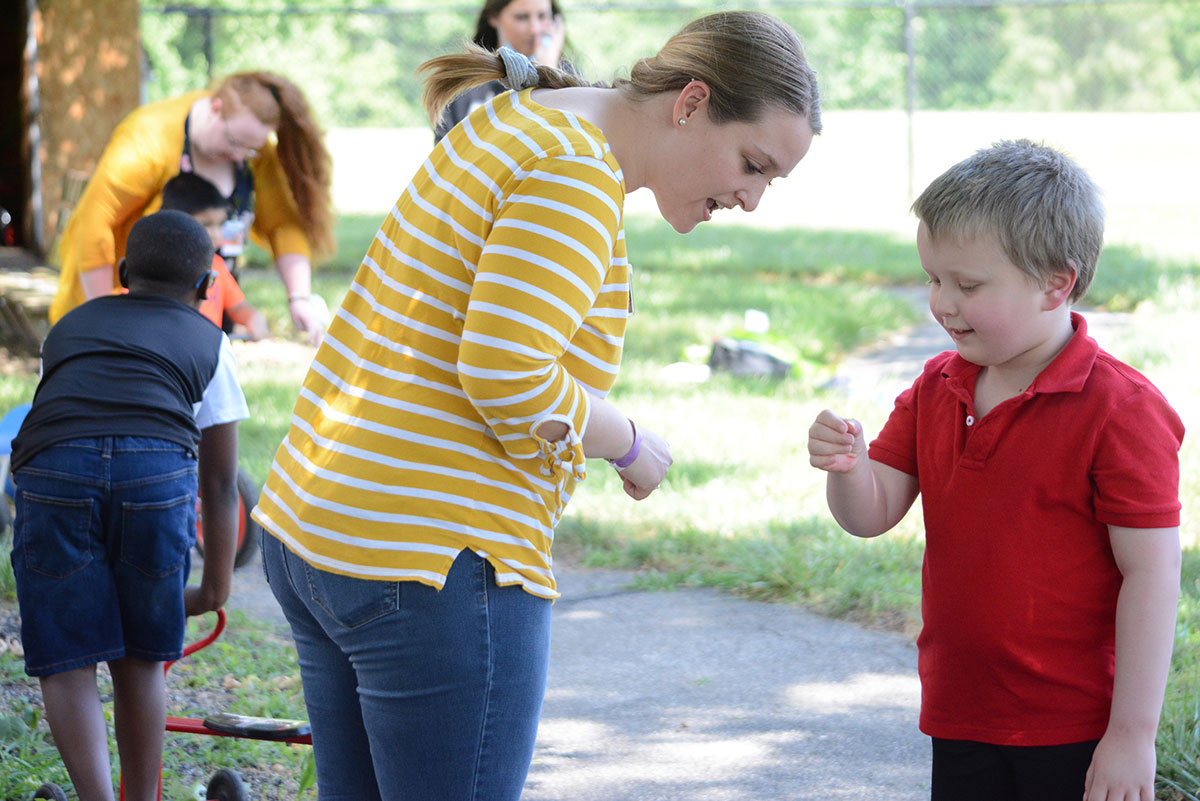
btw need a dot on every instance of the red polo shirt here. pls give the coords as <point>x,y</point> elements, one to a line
<point>1019,585</point>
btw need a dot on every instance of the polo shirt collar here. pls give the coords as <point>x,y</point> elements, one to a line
<point>1068,372</point>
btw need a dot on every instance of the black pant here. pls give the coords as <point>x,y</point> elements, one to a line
<point>964,770</point>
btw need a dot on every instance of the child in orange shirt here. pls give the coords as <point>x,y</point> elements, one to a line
<point>191,194</point>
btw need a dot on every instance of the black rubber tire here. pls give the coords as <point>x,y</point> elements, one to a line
<point>226,785</point>
<point>50,791</point>
<point>248,492</point>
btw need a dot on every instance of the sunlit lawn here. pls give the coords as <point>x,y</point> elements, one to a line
<point>741,508</point>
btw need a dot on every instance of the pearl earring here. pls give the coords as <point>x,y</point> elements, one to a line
<point>683,121</point>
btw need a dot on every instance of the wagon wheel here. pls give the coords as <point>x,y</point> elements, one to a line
<point>248,530</point>
<point>226,785</point>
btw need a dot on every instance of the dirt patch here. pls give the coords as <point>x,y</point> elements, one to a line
<point>272,353</point>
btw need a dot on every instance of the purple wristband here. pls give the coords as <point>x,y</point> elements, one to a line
<point>632,454</point>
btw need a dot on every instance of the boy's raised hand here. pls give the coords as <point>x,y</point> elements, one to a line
<point>867,498</point>
<point>835,444</point>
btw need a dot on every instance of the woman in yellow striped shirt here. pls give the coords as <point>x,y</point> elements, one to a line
<point>448,414</point>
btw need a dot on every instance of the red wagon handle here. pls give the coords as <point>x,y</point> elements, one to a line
<point>203,642</point>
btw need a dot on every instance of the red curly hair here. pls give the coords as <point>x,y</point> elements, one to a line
<point>279,104</point>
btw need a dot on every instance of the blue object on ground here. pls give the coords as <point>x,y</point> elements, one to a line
<point>10,425</point>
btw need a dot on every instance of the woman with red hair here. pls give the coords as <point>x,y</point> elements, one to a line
<point>255,139</point>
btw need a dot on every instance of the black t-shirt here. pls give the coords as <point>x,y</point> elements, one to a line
<point>122,365</point>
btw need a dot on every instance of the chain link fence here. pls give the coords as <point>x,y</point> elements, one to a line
<point>908,88</point>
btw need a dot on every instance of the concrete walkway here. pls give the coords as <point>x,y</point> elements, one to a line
<point>698,695</point>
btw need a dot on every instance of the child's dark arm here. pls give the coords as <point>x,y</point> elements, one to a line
<point>218,505</point>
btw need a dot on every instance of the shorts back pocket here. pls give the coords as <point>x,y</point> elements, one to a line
<point>156,535</point>
<point>56,533</point>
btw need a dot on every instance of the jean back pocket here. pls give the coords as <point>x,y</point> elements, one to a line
<point>156,535</point>
<point>56,533</point>
<point>351,601</point>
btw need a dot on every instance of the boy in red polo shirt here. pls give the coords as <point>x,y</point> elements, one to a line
<point>1048,473</point>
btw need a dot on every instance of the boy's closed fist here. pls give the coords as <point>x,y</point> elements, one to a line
<point>198,599</point>
<point>834,443</point>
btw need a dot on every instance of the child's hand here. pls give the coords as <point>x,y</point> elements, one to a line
<point>1122,769</point>
<point>835,444</point>
<point>256,326</point>
<point>199,598</point>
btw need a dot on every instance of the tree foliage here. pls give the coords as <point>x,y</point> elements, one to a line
<point>356,62</point>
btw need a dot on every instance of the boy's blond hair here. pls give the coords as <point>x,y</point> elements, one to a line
<point>1043,208</point>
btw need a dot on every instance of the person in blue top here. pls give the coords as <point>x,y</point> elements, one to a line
<point>136,411</point>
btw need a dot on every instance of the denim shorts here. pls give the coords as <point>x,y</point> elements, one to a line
<point>101,551</point>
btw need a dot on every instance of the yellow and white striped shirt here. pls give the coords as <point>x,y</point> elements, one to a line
<point>493,298</point>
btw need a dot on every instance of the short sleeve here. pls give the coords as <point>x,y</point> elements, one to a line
<point>223,401</point>
<point>1135,469</point>
<point>231,294</point>
<point>896,445</point>
<point>223,295</point>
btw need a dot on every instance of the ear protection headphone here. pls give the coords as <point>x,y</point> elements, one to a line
<point>202,286</point>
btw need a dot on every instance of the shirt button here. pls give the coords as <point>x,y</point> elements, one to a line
<point>970,419</point>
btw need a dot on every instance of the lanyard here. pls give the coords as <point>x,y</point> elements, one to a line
<point>241,199</point>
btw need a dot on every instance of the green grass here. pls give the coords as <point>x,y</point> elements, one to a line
<point>1178,742</point>
<point>1125,276</point>
<point>252,653</point>
<point>29,757</point>
<point>741,510</point>
<point>256,667</point>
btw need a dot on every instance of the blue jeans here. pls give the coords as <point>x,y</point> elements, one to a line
<point>101,543</point>
<point>414,693</point>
